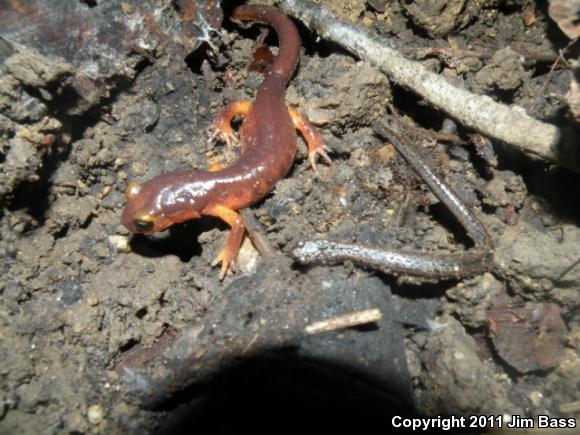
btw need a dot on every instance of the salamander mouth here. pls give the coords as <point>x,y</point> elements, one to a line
<point>143,227</point>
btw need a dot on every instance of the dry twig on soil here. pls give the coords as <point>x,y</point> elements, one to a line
<point>345,321</point>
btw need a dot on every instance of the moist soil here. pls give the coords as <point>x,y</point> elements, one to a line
<point>104,332</point>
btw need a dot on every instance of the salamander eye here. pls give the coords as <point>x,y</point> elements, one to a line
<point>143,221</point>
<point>132,190</point>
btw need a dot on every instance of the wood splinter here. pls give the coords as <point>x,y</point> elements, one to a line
<point>345,321</point>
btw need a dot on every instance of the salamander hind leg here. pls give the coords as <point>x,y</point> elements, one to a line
<point>316,146</point>
<point>229,253</point>
<point>221,128</point>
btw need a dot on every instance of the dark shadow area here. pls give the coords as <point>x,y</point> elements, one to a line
<point>180,240</point>
<point>278,391</point>
<point>282,393</point>
<point>195,59</point>
<point>249,30</point>
<point>441,214</point>
<point>90,3</point>
<point>422,290</point>
<point>559,187</point>
<point>414,106</point>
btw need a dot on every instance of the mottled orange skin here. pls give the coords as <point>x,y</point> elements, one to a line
<point>268,146</point>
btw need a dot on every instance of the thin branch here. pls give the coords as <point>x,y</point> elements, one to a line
<point>344,321</point>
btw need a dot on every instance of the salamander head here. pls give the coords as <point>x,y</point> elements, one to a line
<point>163,201</point>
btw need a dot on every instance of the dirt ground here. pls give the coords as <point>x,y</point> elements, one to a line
<point>102,332</point>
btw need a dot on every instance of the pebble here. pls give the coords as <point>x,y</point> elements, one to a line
<point>120,243</point>
<point>95,414</point>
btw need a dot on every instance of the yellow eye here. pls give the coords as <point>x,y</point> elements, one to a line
<point>132,190</point>
<point>143,221</point>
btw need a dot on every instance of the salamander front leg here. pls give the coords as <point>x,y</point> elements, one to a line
<point>316,146</point>
<point>221,128</point>
<point>229,253</point>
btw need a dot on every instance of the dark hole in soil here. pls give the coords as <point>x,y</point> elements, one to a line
<point>267,393</point>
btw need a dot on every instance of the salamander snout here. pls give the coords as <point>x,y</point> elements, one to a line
<point>135,215</point>
<point>165,200</point>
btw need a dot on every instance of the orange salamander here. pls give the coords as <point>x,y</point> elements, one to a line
<point>268,146</point>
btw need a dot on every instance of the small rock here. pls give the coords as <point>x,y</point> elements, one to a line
<point>95,414</point>
<point>504,72</point>
<point>536,398</point>
<point>453,371</point>
<point>248,257</point>
<point>120,243</point>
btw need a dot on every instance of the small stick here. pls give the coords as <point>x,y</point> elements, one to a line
<point>570,407</point>
<point>345,321</point>
<point>250,344</point>
<point>259,240</point>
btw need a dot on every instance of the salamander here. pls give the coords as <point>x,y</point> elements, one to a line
<point>268,145</point>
